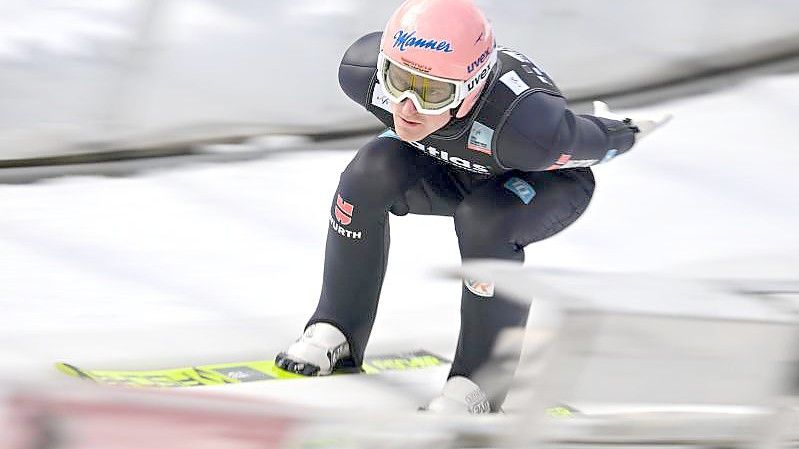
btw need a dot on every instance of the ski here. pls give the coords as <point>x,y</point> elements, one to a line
<point>238,372</point>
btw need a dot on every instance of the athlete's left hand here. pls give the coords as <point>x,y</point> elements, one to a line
<point>459,396</point>
<point>645,125</point>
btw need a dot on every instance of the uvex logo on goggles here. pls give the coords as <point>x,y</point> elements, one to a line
<point>474,65</point>
<point>474,82</point>
<point>403,40</point>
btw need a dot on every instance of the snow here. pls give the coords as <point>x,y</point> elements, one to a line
<point>222,262</point>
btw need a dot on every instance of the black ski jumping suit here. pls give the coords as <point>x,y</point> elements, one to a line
<point>512,172</point>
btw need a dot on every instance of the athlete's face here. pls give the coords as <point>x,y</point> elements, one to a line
<point>412,126</point>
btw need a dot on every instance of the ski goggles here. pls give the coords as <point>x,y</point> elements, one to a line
<point>430,94</point>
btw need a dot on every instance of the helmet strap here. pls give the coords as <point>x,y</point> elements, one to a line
<point>453,113</point>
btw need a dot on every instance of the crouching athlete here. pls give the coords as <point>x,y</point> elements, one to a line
<point>475,132</point>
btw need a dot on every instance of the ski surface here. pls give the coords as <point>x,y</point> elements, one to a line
<point>239,372</point>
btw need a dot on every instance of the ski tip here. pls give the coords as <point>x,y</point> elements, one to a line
<point>68,369</point>
<point>72,370</point>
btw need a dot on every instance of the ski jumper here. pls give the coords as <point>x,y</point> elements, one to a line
<point>511,172</point>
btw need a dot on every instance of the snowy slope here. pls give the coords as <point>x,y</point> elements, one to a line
<point>212,263</point>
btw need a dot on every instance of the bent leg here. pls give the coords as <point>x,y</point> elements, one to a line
<point>496,221</point>
<point>356,252</point>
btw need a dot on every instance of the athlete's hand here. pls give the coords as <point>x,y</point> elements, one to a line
<point>644,125</point>
<point>460,396</point>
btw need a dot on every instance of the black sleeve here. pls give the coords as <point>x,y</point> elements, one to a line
<point>358,67</point>
<point>541,133</point>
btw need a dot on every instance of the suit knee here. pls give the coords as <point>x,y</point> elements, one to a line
<point>484,235</point>
<point>376,174</point>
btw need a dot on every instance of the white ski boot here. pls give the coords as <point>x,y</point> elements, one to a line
<point>460,396</point>
<point>316,353</point>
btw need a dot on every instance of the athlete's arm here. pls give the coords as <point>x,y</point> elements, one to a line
<point>358,67</point>
<point>541,133</point>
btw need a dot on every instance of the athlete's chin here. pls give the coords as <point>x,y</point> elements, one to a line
<point>411,133</point>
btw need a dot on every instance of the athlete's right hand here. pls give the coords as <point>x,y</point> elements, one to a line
<point>643,125</point>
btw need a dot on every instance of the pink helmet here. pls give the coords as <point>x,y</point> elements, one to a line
<point>444,38</point>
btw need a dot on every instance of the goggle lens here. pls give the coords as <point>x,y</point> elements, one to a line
<point>431,93</point>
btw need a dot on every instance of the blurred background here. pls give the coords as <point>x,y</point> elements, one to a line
<point>93,75</point>
<point>166,170</point>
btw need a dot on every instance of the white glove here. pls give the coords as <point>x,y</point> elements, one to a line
<point>316,352</point>
<point>460,396</point>
<point>645,125</point>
